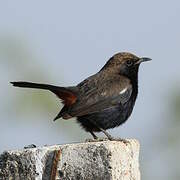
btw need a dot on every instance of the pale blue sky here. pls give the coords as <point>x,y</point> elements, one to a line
<point>71,40</point>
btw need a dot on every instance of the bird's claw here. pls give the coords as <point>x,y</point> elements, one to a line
<point>107,139</point>
<point>119,139</point>
<point>97,140</point>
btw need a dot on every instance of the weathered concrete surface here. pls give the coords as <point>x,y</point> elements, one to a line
<point>104,160</point>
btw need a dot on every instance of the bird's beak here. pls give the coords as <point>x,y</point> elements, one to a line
<point>143,59</point>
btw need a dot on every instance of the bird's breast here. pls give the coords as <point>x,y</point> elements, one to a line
<point>108,118</point>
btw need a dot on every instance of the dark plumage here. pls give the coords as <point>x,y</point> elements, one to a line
<point>102,101</point>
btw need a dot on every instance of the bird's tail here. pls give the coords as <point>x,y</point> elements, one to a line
<point>68,96</point>
<point>33,85</point>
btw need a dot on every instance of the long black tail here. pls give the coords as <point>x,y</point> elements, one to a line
<point>66,94</point>
<point>36,86</point>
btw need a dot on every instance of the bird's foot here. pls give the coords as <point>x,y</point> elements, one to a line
<point>97,140</point>
<point>111,138</point>
<point>118,139</point>
<point>107,139</point>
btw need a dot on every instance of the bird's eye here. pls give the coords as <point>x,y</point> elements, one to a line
<point>129,62</point>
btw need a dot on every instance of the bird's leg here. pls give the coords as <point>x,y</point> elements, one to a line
<point>111,138</point>
<point>107,134</point>
<point>92,140</point>
<point>94,136</point>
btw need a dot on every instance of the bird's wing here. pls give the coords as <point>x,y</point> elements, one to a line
<point>103,96</point>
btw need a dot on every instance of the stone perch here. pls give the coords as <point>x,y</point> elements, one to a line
<point>105,160</point>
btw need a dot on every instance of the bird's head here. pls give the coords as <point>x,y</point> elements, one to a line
<point>125,64</point>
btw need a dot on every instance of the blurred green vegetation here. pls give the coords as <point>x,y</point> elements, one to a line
<point>18,60</point>
<point>173,133</point>
<point>22,64</point>
<point>175,108</point>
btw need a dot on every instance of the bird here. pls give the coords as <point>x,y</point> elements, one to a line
<point>102,101</point>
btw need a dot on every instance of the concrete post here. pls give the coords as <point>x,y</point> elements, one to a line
<point>106,160</point>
